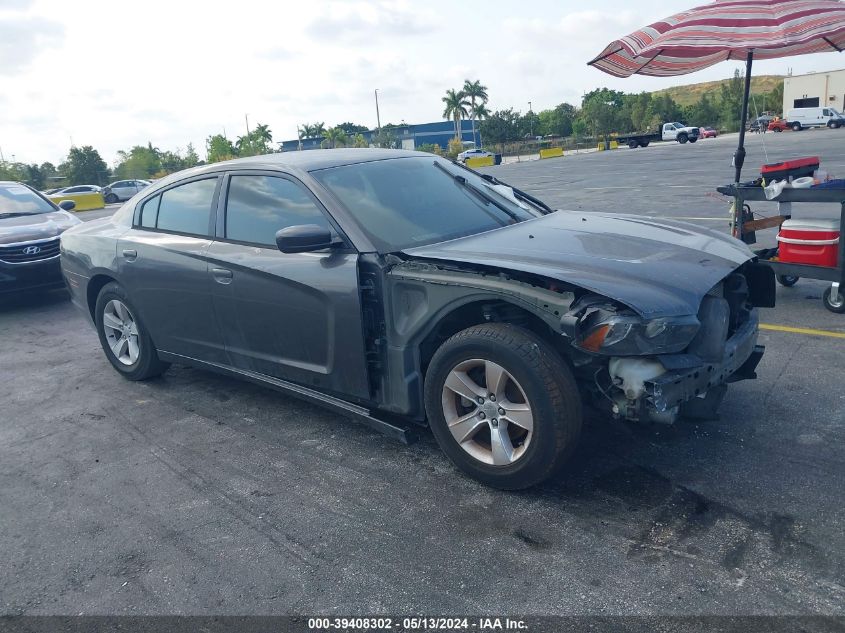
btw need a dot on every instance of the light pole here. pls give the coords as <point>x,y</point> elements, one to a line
<point>378,118</point>
<point>530,121</point>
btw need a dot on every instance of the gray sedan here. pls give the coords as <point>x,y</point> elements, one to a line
<point>403,290</point>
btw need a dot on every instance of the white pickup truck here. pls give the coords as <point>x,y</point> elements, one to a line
<point>672,131</point>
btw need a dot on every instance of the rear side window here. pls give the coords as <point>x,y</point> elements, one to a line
<point>258,206</point>
<point>182,209</point>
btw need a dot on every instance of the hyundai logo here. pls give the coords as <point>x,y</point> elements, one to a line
<point>32,250</point>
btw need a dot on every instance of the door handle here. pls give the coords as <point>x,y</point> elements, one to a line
<point>130,254</point>
<point>222,275</point>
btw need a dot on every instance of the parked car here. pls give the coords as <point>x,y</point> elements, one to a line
<point>394,285</point>
<point>708,132</point>
<point>77,189</point>
<point>30,226</point>
<point>672,131</point>
<point>779,125</point>
<point>473,153</point>
<point>760,123</point>
<point>123,190</point>
<point>800,118</point>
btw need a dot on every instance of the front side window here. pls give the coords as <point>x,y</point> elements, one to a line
<point>258,206</point>
<point>182,209</point>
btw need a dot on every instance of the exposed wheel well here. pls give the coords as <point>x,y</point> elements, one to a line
<point>95,284</point>
<point>484,312</point>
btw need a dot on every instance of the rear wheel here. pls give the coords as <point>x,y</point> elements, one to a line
<point>124,339</point>
<point>502,405</point>
<point>837,306</point>
<point>796,127</point>
<point>682,138</point>
<point>633,144</point>
<point>644,144</point>
<point>787,280</point>
<point>777,129</point>
<point>693,139</point>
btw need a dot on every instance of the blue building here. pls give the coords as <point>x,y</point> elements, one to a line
<point>409,136</point>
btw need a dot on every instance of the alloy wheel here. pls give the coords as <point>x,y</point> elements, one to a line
<point>487,412</point>
<point>121,332</point>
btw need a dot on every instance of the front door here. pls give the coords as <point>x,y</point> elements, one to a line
<point>291,316</point>
<point>162,264</point>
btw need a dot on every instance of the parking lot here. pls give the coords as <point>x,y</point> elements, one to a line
<point>196,494</point>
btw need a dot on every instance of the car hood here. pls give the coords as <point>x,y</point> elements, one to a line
<point>657,267</point>
<point>39,226</point>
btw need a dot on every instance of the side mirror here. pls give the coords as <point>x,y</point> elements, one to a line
<point>67,205</point>
<point>304,238</point>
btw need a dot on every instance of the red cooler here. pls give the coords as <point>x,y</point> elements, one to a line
<point>814,242</point>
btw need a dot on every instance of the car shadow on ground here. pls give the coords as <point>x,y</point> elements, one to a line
<point>32,299</point>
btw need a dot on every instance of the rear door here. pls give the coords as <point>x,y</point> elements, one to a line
<point>162,264</point>
<point>291,316</point>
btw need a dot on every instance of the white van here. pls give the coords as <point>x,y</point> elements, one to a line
<point>799,118</point>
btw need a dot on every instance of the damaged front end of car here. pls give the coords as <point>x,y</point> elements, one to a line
<point>663,368</point>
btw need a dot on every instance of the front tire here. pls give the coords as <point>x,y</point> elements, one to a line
<point>111,198</point>
<point>502,405</point>
<point>125,340</point>
<point>787,280</point>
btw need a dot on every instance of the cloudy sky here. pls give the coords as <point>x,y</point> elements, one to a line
<point>115,74</point>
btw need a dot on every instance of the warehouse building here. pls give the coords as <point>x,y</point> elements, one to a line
<point>409,136</point>
<point>813,90</point>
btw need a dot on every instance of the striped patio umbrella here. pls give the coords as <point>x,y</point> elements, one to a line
<point>725,30</point>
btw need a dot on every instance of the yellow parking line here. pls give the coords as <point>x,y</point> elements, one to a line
<point>801,330</point>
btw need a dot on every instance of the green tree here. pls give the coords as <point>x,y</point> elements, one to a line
<point>191,157</point>
<point>455,108</point>
<point>352,128</point>
<point>556,122</point>
<point>85,166</point>
<point>730,109</point>
<point>139,162</point>
<point>334,137</point>
<point>386,137</point>
<point>360,141</point>
<point>501,126</point>
<point>601,109</point>
<point>477,95</point>
<point>704,112</point>
<point>218,148</point>
<point>663,109</point>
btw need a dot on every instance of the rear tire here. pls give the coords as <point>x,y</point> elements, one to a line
<point>839,306</point>
<point>693,139</point>
<point>787,280</point>
<point>633,144</point>
<point>125,340</point>
<point>511,373</point>
<point>796,127</point>
<point>644,144</point>
<point>682,138</point>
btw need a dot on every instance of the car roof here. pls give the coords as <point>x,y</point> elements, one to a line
<point>312,159</point>
<point>306,160</point>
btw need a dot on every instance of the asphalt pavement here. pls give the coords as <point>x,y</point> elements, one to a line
<point>196,494</point>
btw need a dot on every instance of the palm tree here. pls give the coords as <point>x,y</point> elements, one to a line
<point>474,90</point>
<point>318,129</point>
<point>334,137</point>
<point>478,112</point>
<point>456,109</point>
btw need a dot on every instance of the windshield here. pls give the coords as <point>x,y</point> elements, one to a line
<point>20,200</point>
<point>405,202</point>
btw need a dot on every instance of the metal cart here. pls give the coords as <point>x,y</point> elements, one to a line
<point>787,273</point>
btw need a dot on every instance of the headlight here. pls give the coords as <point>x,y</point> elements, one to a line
<point>602,331</point>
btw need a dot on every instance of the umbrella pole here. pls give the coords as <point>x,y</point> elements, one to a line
<point>739,155</point>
